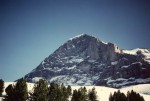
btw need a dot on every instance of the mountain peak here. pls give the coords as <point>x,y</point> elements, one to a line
<point>86,60</point>
<point>81,35</point>
<point>87,46</point>
<point>86,36</point>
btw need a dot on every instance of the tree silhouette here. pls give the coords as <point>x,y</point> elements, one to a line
<point>18,92</point>
<point>10,96</point>
<point>131,96</point>
<point>1,87</point>
<point>92,95</point>
<point>40,92</point>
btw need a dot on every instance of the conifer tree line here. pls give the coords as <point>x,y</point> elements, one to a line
<point>131,96</point>
<point>43,92</point>
<point>58,92</point>
<point>82,95</point>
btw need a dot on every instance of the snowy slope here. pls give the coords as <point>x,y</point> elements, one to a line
<point>104,92</point>
<point>142,89</point>
<point>145,52</point>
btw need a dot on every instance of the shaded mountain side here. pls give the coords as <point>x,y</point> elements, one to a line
<point>86,60</point>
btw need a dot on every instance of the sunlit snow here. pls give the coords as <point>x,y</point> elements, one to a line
<point>104,92</point>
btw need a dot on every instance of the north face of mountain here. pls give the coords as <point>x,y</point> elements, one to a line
<point>87,46</point>
<point>86,60</point>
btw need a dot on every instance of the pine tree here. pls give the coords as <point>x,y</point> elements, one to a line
<point>75,95</point>
<point>92,95</point>
<point>59,95</point>
<point>53,90</point>
<point>40,92</point>
<point>9,93</point>
<point>84,94</point>
<point>65,94</point>
<point>69,90</point>
<point>123,97</point>
<point>117,96</point>
<point>58,92</point>
<point>1,87</point>
<point>20,90</point>
<point>133,96</point>
<point>80,95</point>
<point>111,98</point>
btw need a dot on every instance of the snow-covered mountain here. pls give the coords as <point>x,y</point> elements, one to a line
<point>86,60</point>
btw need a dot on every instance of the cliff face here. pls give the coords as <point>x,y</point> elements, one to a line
<point>86,45</point>
<point>86,60</point>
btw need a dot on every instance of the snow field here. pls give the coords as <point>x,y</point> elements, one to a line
<point>145,52</point>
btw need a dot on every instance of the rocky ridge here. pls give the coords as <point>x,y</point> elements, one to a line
<point>86,60</point>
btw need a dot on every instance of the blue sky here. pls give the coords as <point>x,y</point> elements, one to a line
<point>30,30</point>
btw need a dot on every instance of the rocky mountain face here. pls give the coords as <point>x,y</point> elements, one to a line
<point>86,60</point>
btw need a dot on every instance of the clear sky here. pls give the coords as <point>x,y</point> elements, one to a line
<point>31,30</point>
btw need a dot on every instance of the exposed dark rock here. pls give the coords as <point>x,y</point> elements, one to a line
<point>86,60</point>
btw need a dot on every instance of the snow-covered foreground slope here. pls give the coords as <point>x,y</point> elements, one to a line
<point>104,92</point>
<point>142,89</point>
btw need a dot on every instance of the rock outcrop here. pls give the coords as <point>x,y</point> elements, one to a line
<point>86,60</point>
